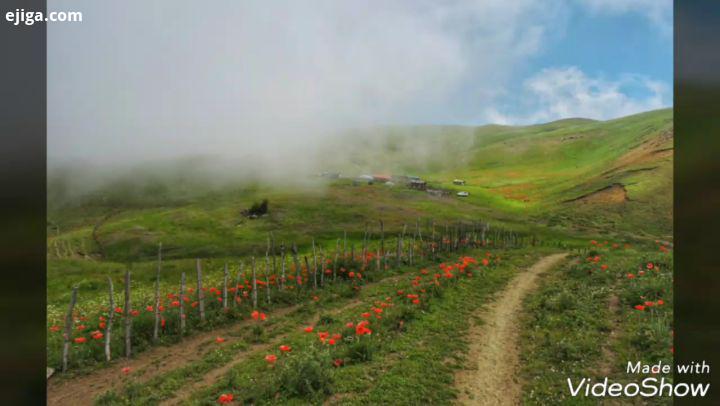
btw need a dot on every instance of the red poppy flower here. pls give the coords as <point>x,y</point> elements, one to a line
<point>362,329</point>
<point>285,348</point>
<point>135,313</point>
<point>338,363</point>
<point>631,276</point>
<point>255,315</point>
<point>96,335</point>
<point>80,340</point>
<point>351,274</point>
<point>225,398</point>
<point>271,358</point>
<point>649,304</point>
<point>650,265</point>
<point>348,325</point>
<point>331,341</point>
<point>309,329</point>
<point>365,315</point>
<point>660,302</point>
<point>126,370</point>
<point>639,307</point>
<point>219,340</point>
<point>149,308</point>
<point>604,267</point>
<point>315,298</point>
<point>55,329</point>
<point>102,325</point>
<point>81,327</point>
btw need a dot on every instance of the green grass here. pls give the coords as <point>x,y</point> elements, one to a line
<point>569,320</point>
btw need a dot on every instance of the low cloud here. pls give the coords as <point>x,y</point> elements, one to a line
<point>267,82</point>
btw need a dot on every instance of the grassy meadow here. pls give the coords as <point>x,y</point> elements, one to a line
<point>588,188</point>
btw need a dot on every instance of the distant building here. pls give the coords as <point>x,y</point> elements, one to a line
<point>330,175</point>
<point>417,184</point>
<point>365,178</point>
<point>459,182</point>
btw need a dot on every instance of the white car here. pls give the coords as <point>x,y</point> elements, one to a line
<point>463,194</point>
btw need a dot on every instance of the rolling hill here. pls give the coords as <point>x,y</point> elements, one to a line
<point>573,178</point>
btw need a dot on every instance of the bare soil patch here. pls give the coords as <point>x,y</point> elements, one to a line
<point>613,194</point>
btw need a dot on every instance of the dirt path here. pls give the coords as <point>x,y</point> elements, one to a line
<point>492,379</point>
<point>608,356</point>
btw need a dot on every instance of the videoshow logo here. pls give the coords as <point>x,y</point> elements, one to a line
<point>647,387</point>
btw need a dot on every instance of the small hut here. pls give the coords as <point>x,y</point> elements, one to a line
<point>418,184</point>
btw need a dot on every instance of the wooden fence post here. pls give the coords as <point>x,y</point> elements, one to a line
<point>237,283</point>
<point>157,295</point>
<point>68,328</point>
<point>254,284</point>
<point>183,292</point>
<point>200,293</point>
<point>225,281</point>
<point>111,316</point>
<point>398,252</point>
<point>128,316</point>
<point>267,279</point>
<point>382,244</point>
<point>314,265</point>
<point>282,266</point>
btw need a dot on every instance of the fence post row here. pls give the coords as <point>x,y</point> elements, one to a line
<point>457,237</point>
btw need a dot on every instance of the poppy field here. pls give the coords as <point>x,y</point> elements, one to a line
<point>608,305</point>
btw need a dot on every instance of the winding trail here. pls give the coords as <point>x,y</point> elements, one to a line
<point>494,357</point>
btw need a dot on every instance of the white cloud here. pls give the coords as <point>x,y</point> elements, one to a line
<point>659,12</point>
<point>266,79</point>
<point>558,93</point>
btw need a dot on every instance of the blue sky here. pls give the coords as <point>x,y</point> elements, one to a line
<point>176,77</point>
<point>604,43</point>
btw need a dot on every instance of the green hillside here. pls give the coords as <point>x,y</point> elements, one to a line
<point>572,178</point>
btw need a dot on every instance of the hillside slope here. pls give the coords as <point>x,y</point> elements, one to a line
<point>575,177</point>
